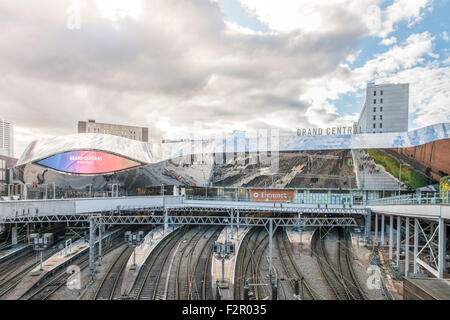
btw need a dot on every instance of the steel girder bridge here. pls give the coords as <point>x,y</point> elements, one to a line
<point>232,214</point>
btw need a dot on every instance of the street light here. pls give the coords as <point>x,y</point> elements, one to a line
<point>90,190</point>
<point>400,177</point>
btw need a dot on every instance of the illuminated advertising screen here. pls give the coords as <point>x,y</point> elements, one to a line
<point>87,162</point>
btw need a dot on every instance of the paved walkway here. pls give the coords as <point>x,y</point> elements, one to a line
<point>294,236</point>
<point>35,275</point>
<point>229,266</point>
<point>373,176</point>
<point>151,240</point>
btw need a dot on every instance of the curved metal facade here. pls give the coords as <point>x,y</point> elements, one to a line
<point>62,160</point>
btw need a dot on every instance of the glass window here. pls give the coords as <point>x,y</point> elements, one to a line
<point>374,93</point>
<point>381,117</point>
<point>381,92</point>
<point>381,109</point>
<point>374,117</point>
<point>381,100</point>
<point>374,101</point>
<point>374,125</point>
<point>374,109</point>
<point>381,125</point>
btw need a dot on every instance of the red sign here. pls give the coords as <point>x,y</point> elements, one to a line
<point>274,195</point>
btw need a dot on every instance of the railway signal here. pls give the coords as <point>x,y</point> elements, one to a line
<point>40,243</point>
<point>134,239</point>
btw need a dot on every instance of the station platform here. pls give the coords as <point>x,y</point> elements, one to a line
<point>53,263</point>
<point>151,240</point>
<point>227,287</point>
<point>426,289</point>
<point>12,251</point>
<point>294,236</point>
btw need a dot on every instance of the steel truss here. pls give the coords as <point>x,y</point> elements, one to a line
<point>220,221</point>
<point>429,248</point>
<point>277,209</point>
<point>47,218</point>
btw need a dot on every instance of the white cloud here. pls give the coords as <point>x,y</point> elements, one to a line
<point>353,56</point>
<point>410,10</point>
<point>401,63</point>
<point>388,41</point>
<point>328,16</point>
<point>445,36</point>
<point>181,63</point>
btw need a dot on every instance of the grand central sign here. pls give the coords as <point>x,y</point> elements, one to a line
<point>331,131</point>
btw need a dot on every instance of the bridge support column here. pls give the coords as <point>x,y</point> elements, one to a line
<point>399,240</point>
<point>391,235</point>
<point>100,245</point>
<point>91,245</point>
<point>165,220</point>
<point>368,226</point>
<point>237,220</point>
<point>14,235</point>
<point>382,230</point>
<point>300,228</point>
<point>270,246</point>
<point>376,229</point>
<point>416,244</point>
<point>407,248</point>
<point>442,248</point>
<point>232,217</point>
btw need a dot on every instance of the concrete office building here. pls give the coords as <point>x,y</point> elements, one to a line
<point>385,109</point>
<point>6,138</point>
<point>130,132</point>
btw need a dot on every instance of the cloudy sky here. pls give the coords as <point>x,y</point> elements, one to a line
<point>176,65</point>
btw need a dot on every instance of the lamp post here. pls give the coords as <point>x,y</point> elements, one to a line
<point>90,190</point>
<point>400,176</point>
<point>25,190</point>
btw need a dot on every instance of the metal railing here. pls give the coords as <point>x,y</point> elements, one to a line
<point>311,200</point>
<point>434,198</point>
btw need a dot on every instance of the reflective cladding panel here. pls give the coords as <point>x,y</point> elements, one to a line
<point>87,162</point>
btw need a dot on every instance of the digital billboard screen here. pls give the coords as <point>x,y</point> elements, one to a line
<point>87,162</point>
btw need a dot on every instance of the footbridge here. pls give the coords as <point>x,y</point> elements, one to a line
<point>422,222</point>
<point>417,233</point>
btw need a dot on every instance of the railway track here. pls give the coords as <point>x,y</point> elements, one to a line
<point>144,287</point>
<point>340,278</point>
<point>201,269</point>
<point>290,267</point>
<point>46,288</point>
<point>190,284</point>
<point>346,268</point>
<point>248,264</point>
<point>109,283</point>
<point>185,282</point>
<point>10,280</point>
